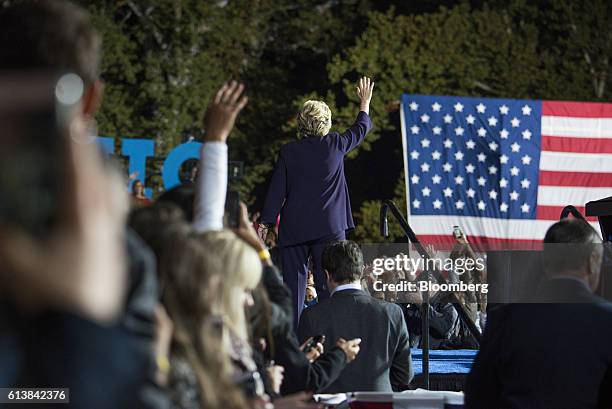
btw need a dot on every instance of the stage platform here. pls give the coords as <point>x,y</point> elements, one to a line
<point>448,369</point>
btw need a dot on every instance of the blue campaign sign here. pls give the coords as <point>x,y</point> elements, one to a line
<point>138,150</point>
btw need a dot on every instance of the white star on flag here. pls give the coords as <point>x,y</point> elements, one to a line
<point>525,208</point>
<point>503,110</point>
<point>425,118</point>
<point>426,191</point>
<point>414,155</point>
<point>437,130</point>
<point>470,119</point>
<point>525,183</point>
<point>448,192</point>
<point>503,159</point>
<point>526,160</point>
<point>514,195</point>
<point>492,121</point>
<point>416,203</point>
<point>413,106</point>
<point>448,119</point>
<point>458,107</point>
<point>482,132</point>
<point>481,205</point>
<point>503,207</point>
<point>447,167</point>
<point>515,147</point>
<point>425,143</point>
<point>458,155</point>
<point>436,107</point>
<point>436,179</point>
<point>514,171</point>
<point>526,134</point>
<point>515,122</point>
<point>458,131</point>
<point>492,170</point>
<point>481,181</point>
<point>526,110</point>
<point>414,129</point>
<point>482,157</point>
<point>470,144</point>
<point>503,134</point>
<point>415,179</point>
<point>448,143</point>
<point>470,168</point>
<point>459,180</point>
<point>493,146</point>
<point>437,204</point>
<point>471,192</point>
<point>492,194</point>
<point>425,167</point>
<point>459,204</point>
<point>481,108</point>
<point>435,155</point>
<point>503,182</point>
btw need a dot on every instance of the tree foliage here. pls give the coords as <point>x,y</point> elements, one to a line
<point>163,59</point>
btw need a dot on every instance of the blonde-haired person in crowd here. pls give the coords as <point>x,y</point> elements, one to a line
<point>309,191</point>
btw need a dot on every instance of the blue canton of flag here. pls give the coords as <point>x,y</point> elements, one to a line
<point>472,156</point>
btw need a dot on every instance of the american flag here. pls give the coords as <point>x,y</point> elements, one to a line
<point>502,169</point>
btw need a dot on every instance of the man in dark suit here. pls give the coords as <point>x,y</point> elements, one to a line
<point>384,360</point>
<point>309,190</point>
<point>556,352</point>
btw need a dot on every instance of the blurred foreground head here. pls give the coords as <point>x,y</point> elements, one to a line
<point>55,36</point>
<point>573,248</point>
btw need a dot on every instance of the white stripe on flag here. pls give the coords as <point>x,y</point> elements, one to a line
<point>517,229</point>
<point>566,195</point>
<point>577,127</point>
<point>576,162</point>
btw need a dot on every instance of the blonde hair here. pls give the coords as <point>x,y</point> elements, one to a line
<point>188,292</point>
<point>314,119</point>
<point>238,269</point>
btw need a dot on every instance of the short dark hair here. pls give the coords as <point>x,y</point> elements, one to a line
<point>568,244</point>
<point>53,35</point>
<point>343,260</point>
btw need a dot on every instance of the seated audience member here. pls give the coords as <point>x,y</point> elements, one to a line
<point>554,353</point>
<point>384,361</point>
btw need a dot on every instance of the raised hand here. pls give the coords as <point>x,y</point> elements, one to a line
<point>365,87</point>
<point>222,111</point>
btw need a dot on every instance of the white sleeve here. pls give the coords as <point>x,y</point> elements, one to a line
<point>211,187</point>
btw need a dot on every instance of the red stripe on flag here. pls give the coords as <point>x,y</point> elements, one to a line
<point>446,242</point>
<point>578,145</point>
<point>577,109</point>
<point>576,179</point>
<point>553,213</point>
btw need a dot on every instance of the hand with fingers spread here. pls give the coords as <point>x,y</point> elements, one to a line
<point>364,90</point>
<point>222,111</point>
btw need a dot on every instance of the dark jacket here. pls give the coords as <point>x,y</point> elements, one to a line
<point>556,354</point>
<point>300,374</point>
<point>308,187</point>
<point>384,358</point>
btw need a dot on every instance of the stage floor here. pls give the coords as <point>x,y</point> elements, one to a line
<point>448,369</point>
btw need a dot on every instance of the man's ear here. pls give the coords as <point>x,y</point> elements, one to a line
<point>595,260</point>
<point>92,98</point>
<point>327,275</point>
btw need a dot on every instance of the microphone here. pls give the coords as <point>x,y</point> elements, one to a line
<point>384,225</point>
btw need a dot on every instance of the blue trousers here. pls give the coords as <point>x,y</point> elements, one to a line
<point>294,262</point>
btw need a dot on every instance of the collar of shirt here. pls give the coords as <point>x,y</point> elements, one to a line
<point>351,286</point>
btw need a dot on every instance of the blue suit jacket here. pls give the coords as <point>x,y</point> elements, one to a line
<point>308,187</point>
